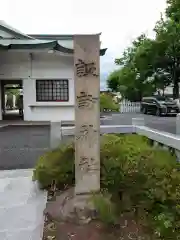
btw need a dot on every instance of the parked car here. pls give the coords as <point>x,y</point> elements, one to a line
<point>177,102</point>
<point>159,105</point>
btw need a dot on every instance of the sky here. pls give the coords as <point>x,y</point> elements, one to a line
<point>119,21</point>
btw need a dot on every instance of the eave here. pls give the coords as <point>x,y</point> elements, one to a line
<point>16,33</point>
<point>52,36</point>
<point>53,45</point>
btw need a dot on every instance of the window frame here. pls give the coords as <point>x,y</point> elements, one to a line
<point>50,83</point>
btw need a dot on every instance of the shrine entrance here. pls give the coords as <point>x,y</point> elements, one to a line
<point>12,100</point>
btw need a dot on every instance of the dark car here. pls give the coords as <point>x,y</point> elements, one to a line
<point>159,106</point>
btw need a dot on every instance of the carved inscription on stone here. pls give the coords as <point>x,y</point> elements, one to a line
<point>88,164</point>
<point>87,119</point>
<point>87,133</point>
<point>85,100</point>
<point>84,69</point>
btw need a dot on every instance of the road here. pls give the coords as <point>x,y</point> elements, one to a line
<point>167,124</point>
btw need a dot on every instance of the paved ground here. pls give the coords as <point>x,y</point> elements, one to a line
<point>21,146</point>
<point>21,206</point>
<point>167,124</point>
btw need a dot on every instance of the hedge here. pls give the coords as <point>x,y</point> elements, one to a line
<point>138,177</point>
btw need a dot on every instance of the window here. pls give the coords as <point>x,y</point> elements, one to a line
<point>52,90</point>
<point>162,100</point>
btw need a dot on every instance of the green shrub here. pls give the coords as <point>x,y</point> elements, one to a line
<point>56,165</point>
<point>107,103</point>
<point>139,178</point>
<point>105,208</point>
<point>144,179</point>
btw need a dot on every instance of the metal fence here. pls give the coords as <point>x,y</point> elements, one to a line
<point>166,140</point>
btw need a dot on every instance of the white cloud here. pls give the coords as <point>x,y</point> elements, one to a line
<point>120,21</point>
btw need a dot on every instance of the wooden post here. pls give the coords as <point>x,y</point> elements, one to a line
<point>87,115</point>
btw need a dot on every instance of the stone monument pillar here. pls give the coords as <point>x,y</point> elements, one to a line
<point>87,116</point>
<point>74,205</point>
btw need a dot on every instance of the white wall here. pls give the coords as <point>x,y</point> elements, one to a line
<point>20,66</point>
<point>46,111</point>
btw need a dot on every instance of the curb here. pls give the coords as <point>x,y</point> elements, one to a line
<point>26,124</point>
<point>2,126</point>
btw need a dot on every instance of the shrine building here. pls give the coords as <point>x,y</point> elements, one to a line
<point>42,66</point>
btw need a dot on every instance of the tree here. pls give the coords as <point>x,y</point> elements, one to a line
<point>107,103</point>
<point>173,10</point>
<point>113,81</point>
<point>135,68</point>
<point>168,38</point>
<point>12,91</point>
<point>168,41</point>
<point>151,62</point>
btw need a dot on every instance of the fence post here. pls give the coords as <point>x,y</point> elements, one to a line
<point>178,133</point>
<point>55,134</point>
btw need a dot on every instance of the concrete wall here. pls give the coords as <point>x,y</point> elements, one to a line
<point>28,68</point>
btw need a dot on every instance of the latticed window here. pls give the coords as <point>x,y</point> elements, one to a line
<point>52,90</point>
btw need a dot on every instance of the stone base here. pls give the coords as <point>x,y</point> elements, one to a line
<point>70,208</point>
